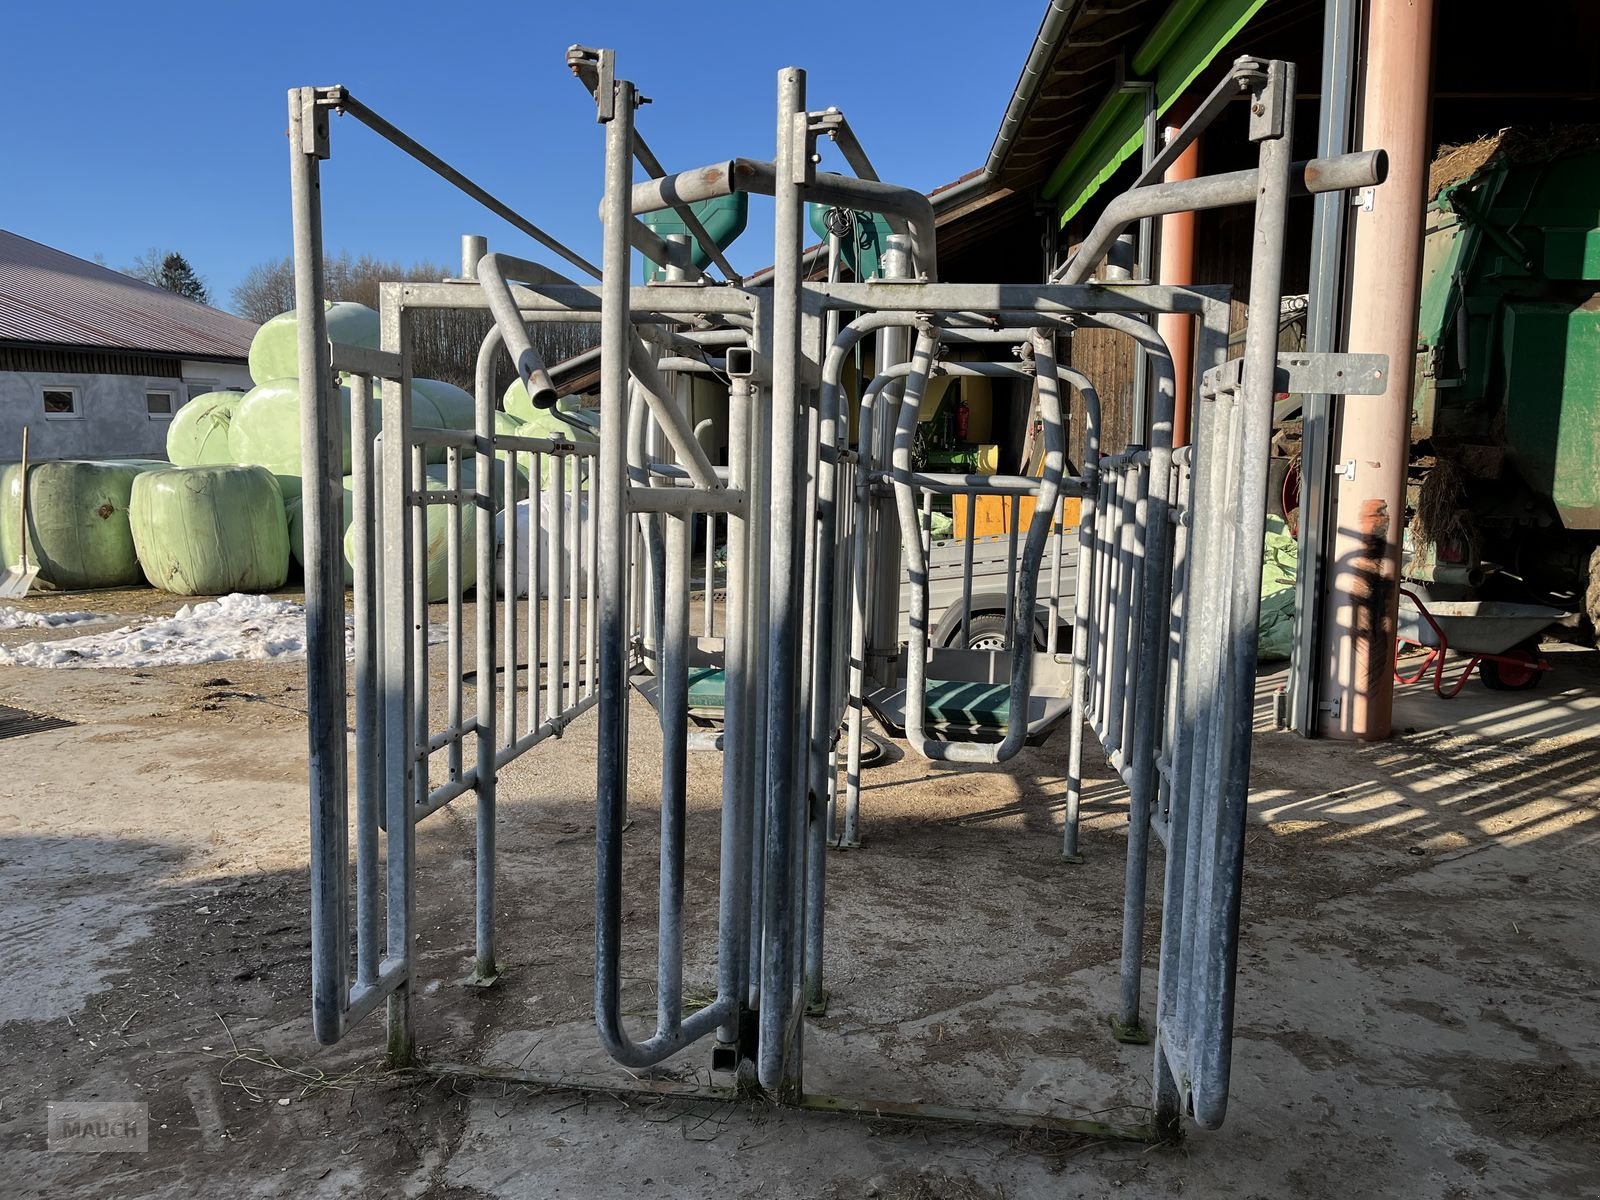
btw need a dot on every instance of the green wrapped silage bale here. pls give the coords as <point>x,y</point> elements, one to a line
<point>208,531</point>
<point>552,423</point>
<point>275,349</point>
<point>198,434</point>
<point>457,409</point>
<point>437,476</point>
<point>439,518</point>
<point>78,530</point>
<point>266,427</point>
<point>544,421</point>
<point>295,511</point>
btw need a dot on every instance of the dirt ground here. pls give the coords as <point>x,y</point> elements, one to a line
<point>1415,1017</point>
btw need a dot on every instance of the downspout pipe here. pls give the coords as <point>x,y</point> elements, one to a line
<point>1175,268</point>
<point>1359,611</point>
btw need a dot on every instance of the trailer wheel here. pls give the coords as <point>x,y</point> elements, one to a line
<point>987,631</point>
<point>1516,676</point>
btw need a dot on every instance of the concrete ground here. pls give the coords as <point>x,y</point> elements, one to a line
<point>1415,1017</point>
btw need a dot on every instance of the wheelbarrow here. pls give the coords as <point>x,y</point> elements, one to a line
<point>1500,639</point>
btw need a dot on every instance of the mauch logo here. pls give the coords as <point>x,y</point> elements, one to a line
<point>99,1128</point>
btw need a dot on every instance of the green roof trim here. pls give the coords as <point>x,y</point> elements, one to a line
<point>1184,43</point>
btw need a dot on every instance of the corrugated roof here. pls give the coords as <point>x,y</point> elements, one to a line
<point>48,296</point>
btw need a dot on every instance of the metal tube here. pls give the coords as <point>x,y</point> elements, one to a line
<point>529,363</point>
<point>339,98</point>
<point>1341,33</point>
<point>674,711</point>
<point>400,676</point>
<point>453,575</point>
<point>664,407</point>
<point>733,899</point>
<point>554,495</point>
<point>368,766</point>
<point>1345,171</point>
<point>1223,856</point>
<point>966,568</point>
<point>778,1066</point>
<point>321,440</point>
<point>574,496</point>
<point>538,594</point>
<point>686,214</point>
<point>484,969</point>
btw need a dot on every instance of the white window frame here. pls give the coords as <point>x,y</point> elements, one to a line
<point>172,403</point>
<point>199,387</point>
<point>77,401</point>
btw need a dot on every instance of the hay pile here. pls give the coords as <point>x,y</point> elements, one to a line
<point>1455,163</point>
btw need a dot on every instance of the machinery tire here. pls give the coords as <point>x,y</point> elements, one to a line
<point>1511,677</point>
<point>1591,595</point>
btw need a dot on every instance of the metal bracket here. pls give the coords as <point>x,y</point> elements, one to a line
<point>804,166</point>
<point>1267,105</point>
<point>314,123</point>
<point>1366,199</point>
<point>359,360</point>
<point>1348,471</point>
<point>1313,374</point>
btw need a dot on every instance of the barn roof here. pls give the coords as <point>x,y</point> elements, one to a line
<point>50,297</point>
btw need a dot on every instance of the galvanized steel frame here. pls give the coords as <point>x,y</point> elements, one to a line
<point>796,502</point>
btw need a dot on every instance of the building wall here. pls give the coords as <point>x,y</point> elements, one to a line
<point>112,419</point>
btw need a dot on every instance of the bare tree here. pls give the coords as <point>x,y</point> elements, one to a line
<point>446,343</point>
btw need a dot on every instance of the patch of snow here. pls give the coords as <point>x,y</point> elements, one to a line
<point>21,618</point>
<point>230,627</point>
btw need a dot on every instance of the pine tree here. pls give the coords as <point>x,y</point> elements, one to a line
<point>178,276</point>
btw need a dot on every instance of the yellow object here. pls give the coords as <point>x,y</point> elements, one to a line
<point>993,514</point>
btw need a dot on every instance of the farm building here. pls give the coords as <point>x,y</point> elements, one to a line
<point>96,363</point>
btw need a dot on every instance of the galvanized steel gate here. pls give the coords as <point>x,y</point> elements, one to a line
<point>1164,627</point>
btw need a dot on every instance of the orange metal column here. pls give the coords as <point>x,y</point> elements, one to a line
<point>1176,266</point>
<point>1375,432</point>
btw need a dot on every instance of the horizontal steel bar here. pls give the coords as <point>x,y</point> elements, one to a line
<point>442,795</point>
<point>362,360</point>
<point>1322,374</point>
<point>645,303</point>
<point>686,500</point>
<point>549,728</point>
<point>892,295</point>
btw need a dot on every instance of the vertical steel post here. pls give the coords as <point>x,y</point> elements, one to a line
<point>484,969</point>
<point>403,771</point>
<point>611,784</point>
<point>322,450</point>
<point>778,1064</point>
<point>1341,35</point>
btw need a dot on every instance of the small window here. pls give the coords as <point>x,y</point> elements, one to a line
<point>199,387</point>
<point>158,405</point>
<point>61,403</point>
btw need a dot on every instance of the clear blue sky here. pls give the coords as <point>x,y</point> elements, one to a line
<point>161,124</point>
